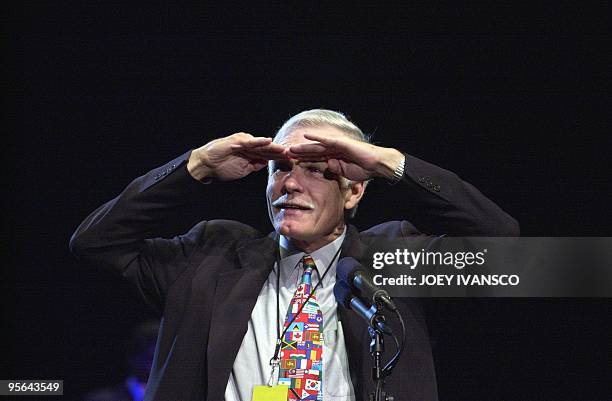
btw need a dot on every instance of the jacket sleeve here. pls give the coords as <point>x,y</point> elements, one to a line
<point>123,234</point>
<point>439,202</point>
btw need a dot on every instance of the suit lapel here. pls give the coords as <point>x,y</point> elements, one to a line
<point>355,330</point>
<point>235,297</point>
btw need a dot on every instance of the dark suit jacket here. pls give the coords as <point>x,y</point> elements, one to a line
<point>205,283</point>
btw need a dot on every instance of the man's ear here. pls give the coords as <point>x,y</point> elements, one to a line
<point>354,194</point>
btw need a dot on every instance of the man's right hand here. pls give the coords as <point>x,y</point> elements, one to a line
<point>233,157</point>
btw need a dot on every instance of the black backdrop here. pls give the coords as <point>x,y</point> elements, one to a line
<point>515,99</point>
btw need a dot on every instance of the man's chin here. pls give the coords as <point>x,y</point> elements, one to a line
<point>292,230</point>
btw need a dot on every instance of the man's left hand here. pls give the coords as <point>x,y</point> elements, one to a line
<point>351,158</point>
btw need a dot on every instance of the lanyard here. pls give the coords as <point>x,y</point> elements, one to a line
<point>274,361</point>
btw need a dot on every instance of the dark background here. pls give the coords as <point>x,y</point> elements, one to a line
<point>513,98</point>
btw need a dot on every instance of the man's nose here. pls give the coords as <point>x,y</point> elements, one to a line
<point>292,181</point>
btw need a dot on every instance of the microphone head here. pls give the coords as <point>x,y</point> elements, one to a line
<point>343,293</point>
<point>346,269</point>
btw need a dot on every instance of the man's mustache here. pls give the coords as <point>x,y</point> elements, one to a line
<point>285,203</point>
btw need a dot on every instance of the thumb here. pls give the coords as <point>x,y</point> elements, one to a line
<point>334,166</point>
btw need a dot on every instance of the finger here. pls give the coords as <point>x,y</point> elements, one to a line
<point>254,141</point>
<point>328,141</point>
<point>261,154</point>
<point>333,165</point>
<point>308,148</point>
<point>313,155</point>
<point>310,158</point>
<point>261,148</point>
<point>275,147</point>
<point>271,149</point>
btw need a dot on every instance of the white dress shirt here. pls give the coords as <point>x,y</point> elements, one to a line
<point>252,364</point>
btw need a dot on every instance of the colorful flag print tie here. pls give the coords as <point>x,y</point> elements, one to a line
<point>302,345</point>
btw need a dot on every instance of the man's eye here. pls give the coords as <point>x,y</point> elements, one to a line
<point>314,170</point>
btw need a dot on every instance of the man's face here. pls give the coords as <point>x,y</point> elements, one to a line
<point>306,202</point>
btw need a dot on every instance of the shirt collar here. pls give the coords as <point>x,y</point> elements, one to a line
<point>291,257</point>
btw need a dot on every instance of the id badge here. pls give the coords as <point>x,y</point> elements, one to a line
<point>279,392</point>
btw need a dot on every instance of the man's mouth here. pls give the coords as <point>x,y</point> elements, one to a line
<point>297,205</point>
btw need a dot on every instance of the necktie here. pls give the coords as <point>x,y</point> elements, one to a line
<point>302,345</point>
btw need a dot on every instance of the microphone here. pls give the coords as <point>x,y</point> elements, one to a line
<point>351,271</point>
<point>344,295</point>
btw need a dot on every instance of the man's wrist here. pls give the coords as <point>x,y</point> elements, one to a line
<point>197,169</point>
<point>392,165</point>
<point>398,173</point>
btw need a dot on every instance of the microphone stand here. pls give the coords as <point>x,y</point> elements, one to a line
<point>377,348</point>
<point>376,329</point>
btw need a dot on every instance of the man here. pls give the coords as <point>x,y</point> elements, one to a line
<point>227,292</point>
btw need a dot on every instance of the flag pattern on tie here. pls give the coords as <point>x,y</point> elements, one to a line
<point>302,345</point>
